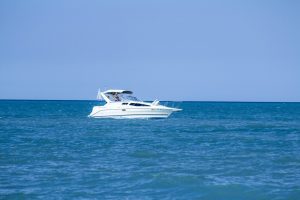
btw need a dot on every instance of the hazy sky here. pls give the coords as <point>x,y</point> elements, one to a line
<point>170,50</point>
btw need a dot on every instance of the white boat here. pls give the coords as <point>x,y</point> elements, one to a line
<point>121,104</point>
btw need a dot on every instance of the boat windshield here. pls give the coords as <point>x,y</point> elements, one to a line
<point>121,97</point>
<point>125,97</point>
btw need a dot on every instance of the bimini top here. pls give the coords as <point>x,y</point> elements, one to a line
<point>117,92</point>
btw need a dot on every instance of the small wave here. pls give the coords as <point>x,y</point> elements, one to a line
<point>144,154</point>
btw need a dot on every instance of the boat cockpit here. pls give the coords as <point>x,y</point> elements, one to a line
<point>111,96</point>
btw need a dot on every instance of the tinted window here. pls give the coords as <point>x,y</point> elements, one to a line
<point>138,104</point>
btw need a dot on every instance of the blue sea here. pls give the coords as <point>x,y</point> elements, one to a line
<point>210,150</point>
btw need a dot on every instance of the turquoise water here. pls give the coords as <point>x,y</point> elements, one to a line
<point>51,150</point>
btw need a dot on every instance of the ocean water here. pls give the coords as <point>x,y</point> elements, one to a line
<point>210,150</point>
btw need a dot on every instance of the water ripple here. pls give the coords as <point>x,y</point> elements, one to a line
<point>51,150</point>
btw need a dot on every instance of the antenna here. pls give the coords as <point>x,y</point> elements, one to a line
<point>99,94</point>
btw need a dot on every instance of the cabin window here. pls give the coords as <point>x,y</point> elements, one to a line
<point>124,103</point>
<point>138,104</point>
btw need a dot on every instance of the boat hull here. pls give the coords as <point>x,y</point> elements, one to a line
<point>131,113</point>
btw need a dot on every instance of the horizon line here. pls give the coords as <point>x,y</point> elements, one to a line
<point>216,101</point>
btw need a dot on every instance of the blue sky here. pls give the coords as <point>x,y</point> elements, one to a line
<point>170,50</point>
